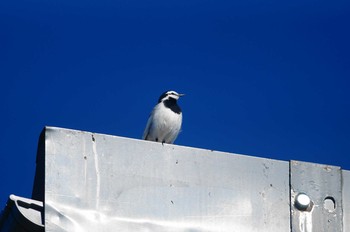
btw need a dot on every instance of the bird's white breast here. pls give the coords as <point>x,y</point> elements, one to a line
<point>166,124</point>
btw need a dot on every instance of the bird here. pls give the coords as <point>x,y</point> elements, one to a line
<point>165,120</point>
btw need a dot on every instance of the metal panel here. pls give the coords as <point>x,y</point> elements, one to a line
<point>96,182</point>
<point>346,200</point>
<point>22,215</point>
<point>316,197</point>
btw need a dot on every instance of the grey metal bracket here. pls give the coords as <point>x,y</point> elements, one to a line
<point>316,197</point>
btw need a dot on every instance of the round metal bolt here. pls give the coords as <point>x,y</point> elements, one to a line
<point>302,201</point>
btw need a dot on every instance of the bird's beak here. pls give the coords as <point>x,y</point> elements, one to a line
<point>181,94</point>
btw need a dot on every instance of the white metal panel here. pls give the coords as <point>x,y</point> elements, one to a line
<point>96,182</point>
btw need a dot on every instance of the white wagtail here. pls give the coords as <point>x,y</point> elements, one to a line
<point>165,121</point>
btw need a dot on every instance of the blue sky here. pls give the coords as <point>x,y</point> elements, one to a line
<point>263,78</point>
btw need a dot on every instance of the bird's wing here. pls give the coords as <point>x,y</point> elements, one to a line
<point>148,126</point>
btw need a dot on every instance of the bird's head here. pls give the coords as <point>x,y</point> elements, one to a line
<point>170,94</point>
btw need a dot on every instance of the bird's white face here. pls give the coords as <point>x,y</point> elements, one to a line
<point>171,94</point>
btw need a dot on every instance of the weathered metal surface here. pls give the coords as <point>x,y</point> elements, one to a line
<point>346,200</point>
<point>96,182</point>
<point>322,185</point>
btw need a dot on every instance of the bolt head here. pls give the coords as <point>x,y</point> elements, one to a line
<point>302,201</point>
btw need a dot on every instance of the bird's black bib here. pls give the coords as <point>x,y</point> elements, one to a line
<point>171,104</point>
